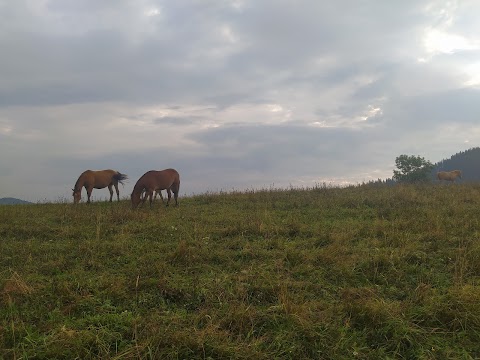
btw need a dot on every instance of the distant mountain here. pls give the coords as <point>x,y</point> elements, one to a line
<point>13,201</point>
<point>468,161</point>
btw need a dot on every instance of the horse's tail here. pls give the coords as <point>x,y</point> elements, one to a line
<point>120,177</point>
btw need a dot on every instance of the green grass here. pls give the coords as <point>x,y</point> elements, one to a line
<point>323,273</point>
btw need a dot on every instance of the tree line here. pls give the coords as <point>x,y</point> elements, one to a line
<point>415,168</point>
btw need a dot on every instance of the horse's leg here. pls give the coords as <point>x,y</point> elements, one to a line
<point>161,196</point>
<point>89,193</point>
<point>176,190</point>
<point>175,194</point>
<point>111,192</point>
<point>118,192</point>
<point>144,197</point>
<point>169,194</point>
<point>150,197</point>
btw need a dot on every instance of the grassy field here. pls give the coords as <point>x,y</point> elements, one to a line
<point>324,273</point>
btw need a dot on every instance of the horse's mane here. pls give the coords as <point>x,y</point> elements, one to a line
<point>138,188</point>
<point>77,183</point>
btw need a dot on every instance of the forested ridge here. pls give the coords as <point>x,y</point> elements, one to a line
<point>468,161</point>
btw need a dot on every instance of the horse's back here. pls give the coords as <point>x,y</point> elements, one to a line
<point>100,178</point>
<point>173,174</point>
<point>107,172</point>
<point>161,179</point>
<point>164,174</point>
<point>87,172</point>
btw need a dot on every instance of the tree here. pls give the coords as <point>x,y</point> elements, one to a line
<point>412,169</point>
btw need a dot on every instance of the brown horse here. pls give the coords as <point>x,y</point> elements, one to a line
<point>449,175</point>
<point>98,180</point>
<point>153,180</point>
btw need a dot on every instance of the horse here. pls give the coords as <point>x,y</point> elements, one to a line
<point>449,175</point>
<point>153,180</point>
<point>97,179</point>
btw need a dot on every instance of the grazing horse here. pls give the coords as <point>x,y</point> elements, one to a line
<point>98,180</point>
<point>449,175</point>
<point>153,180</point>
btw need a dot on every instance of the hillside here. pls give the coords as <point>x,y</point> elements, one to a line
<point>367,272</point>
<point>12,201</point>
<point>468,161</point>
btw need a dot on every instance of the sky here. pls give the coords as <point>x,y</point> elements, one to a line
<point>234,94</point>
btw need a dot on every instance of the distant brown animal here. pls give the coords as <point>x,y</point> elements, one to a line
<point>449,175</point>
<point>153,180</point>
<point>90,179</point>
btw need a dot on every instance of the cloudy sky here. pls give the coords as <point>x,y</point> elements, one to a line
<point>234,94</point>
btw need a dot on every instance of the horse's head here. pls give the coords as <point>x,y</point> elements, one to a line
<point>135,197</point>
<point>77,195</point>
<point>459,173</point>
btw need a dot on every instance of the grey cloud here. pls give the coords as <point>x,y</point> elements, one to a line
<point>272,146</point>
<point>433,110</point>
<point>177,120</point>
<point>102,64</point>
